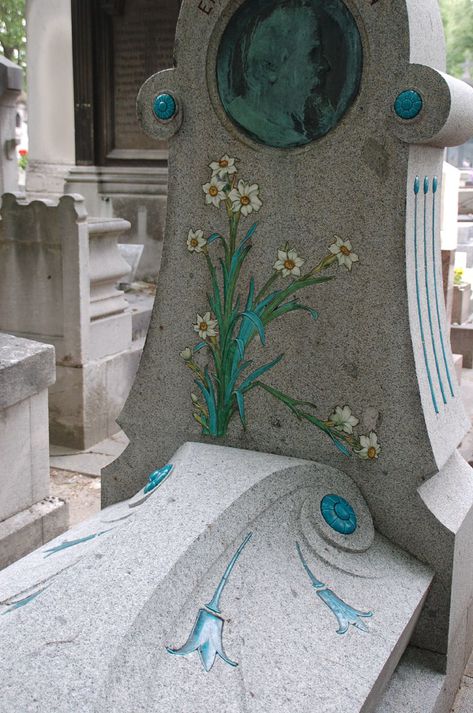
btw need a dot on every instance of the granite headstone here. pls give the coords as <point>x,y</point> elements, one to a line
<point>324,559</point>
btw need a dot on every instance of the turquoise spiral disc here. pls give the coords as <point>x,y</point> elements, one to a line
<point>338,514</point>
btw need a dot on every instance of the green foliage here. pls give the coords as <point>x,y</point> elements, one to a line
<point>13,31</point>
<point>457,18</point>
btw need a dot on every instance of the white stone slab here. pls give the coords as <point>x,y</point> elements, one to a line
<point>120,598</point>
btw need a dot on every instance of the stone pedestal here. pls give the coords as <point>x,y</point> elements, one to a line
<point>462,308</point>
<point>11,80</point>
<point>28,516</point>
<point>137,194</point>
<point>58,276</point>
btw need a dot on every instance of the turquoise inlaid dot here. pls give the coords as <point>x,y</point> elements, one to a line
<point>157,477</point>
<point>164,107</point>
<point>408,104</point>
<point>338,514</point>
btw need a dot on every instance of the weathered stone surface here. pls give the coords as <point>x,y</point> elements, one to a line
<point>26,367</point>
<point>31,528</point>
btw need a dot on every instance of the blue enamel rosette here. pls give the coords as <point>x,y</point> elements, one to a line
<point>408,104</point>
<point>338,514</point>
<point>164,107</point>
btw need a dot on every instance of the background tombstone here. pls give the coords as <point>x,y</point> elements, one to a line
<point>120,171</point>
<point>29,516</point>
<point>10,87</point>
<point>58,275</point>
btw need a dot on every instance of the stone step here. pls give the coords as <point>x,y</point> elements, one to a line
<point>415,685</point>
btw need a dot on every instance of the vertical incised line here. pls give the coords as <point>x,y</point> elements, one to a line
<point>437,308</point>
<point>419,311</point>
<point>427,294</point>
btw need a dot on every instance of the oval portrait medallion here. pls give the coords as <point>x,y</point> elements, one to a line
<point>287,70</point>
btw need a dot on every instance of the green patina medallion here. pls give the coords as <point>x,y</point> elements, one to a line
<point>287,70</point>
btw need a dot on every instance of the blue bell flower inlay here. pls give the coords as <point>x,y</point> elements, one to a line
<point>206,638</point>
<point>339,514</point>
<point>207,632</point>
<point>345,614</point>
<point>164,107</point>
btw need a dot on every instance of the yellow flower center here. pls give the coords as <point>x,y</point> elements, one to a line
<point>194,242</point>
<point>344,250</point>
<point>213,191</point>
<point>244,200</point>
<point>223,163</point>
<point>289,264</point>
<point>372,452</point>
<point>203,326</point>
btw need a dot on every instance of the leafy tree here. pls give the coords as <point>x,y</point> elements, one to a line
<point>13,31</point>
<point>457,18</point>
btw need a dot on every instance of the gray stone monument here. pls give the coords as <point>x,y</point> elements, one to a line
<point>29,516</point>
<point>323,560</point>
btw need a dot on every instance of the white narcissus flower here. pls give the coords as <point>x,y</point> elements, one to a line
<point>214,193</point>
<point>186,354</point>
<point>205,326</point>
<point>343,419</point>
<point>343,250</point>
<point>245,198</point>
<point>223,168</point>
<point>370,447</point>
<point>196,241</point>
<point>289,263</point>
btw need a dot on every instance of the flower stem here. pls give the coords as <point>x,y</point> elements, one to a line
<point>266,286</point>
<point>327,261</point>
<point>213,605</point>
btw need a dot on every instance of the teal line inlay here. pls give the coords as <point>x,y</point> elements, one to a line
<point>427,292</point>
<point>437,307</point>
<point>72,543</point>
<point>207,632</point>
<point>419,311</point>
<point>344,613</point>
<point>23,602</point>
